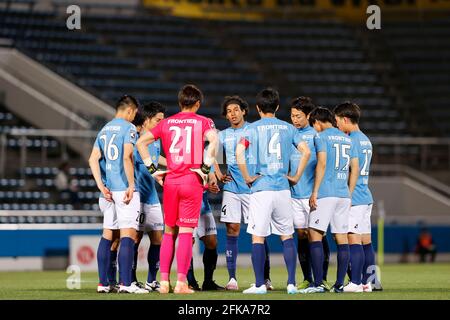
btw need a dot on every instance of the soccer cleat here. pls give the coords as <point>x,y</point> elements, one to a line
<point>182,288</point>
<point>103,289</point>
<point>138,284</point>
<point>232,285</point>
<point>319,289</point>
<point>353,287</point>
<point>336,289</point>
<point>152,286</point>
<point>211,286</point>
<point>305,284</point>
<point>194,286</point>
<point>292,289</point>
<point>256,290</point>
<point>367,287</point>
<point>269,285</point>
<point>164,287</point>
<point>326,285</point>
<point>132,289</point>
<point>114,288</point>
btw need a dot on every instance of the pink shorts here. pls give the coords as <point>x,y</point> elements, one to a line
<point>182,204</point>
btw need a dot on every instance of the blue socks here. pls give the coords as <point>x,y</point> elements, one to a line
<point>126,257</point>
<point>258,260</point>
<point>135,260</point>
<point>290,259</point>
<point>267,261</point>
<point>103,260</point>
<point>369,260</point>
<point>326,257</point>
<point>153,262</point>
<point>231,255</point>
<point>356,262</point>
<point>343,259</point>
<point>112,271</point>
<point>317,258</point>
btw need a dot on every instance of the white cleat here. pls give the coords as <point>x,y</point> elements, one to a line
<point>352,287</point>
<point>256,290</point>
<point>103,289</point>
<point>133,288</point>
<point>152,286</point>
<point>232,285</point>
<point>309,290</point>
<point>292,289</point>
<point>367,287</point>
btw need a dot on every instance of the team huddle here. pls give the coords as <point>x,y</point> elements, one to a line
<point>280,178</point>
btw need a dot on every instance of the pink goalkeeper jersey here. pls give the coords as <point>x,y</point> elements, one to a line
<point>182,138</point>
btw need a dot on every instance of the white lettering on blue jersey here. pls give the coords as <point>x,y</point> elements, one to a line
<point>362,195</point>
<point>340,150</point>
<point>229,138</point>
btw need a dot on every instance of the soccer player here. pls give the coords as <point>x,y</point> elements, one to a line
<point>182,137</point>
<point>330,199</point>
<point>236,193</point>
<point>269,142</point>
<point>207,233</point>
<point>151,218</point>
<point>115,142</point>
<point>362,256</point>
<point>301,192</point>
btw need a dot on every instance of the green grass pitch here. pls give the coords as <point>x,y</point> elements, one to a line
<point>409,281</point>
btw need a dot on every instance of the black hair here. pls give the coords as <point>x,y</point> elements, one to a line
<point>321,114</point>
<point>303,104</point>
<point>126,101</point>
<point>148,111</point>
<point>189,95</point>
<point>348,110</point>
<point>268,100</point>
<point>138,119</point>
<point>234,100</point>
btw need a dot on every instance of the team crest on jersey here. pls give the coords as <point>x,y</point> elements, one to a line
<point>133,135</point>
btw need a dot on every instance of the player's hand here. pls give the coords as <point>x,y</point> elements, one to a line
<point>159,176</point>
<point>213,187</point>
<point>128,195</point>
<point>250,180</point>
<point>313,201</point>
<point>226,178</point>
<point>293,180</point>
<point>107,194</point>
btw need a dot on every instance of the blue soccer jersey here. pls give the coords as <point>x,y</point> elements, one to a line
<point>304,187</point>
<point>229,138</point>
<point>111,140</point>
<point>145,181</point>
<point>340,150</point>
<point>206,207</point>
<point>362,195</point>
<point>269,142</point>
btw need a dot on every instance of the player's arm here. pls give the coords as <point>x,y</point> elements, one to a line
<point>224,178</point>
<point>213,139</point>
<point>354,174</point>
<point>129,171</point>
<point>142,146</point>
<point>320,172</point>
<point>94,164</point>
<point>240,158</point>
<point>162,161</point>
<point>303,148</point>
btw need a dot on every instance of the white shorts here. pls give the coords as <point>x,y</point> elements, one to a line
<point>359,221</point>
<point>270,212</point>
<point>127,214</point>
<point>331,210</point>
<point>151,218</point>
<point>206,225</point>
<point>301,210</point>
<point>234,207</point>
<point>109,214</point>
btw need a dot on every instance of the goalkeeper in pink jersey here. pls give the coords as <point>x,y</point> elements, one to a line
<point>182,137</point>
